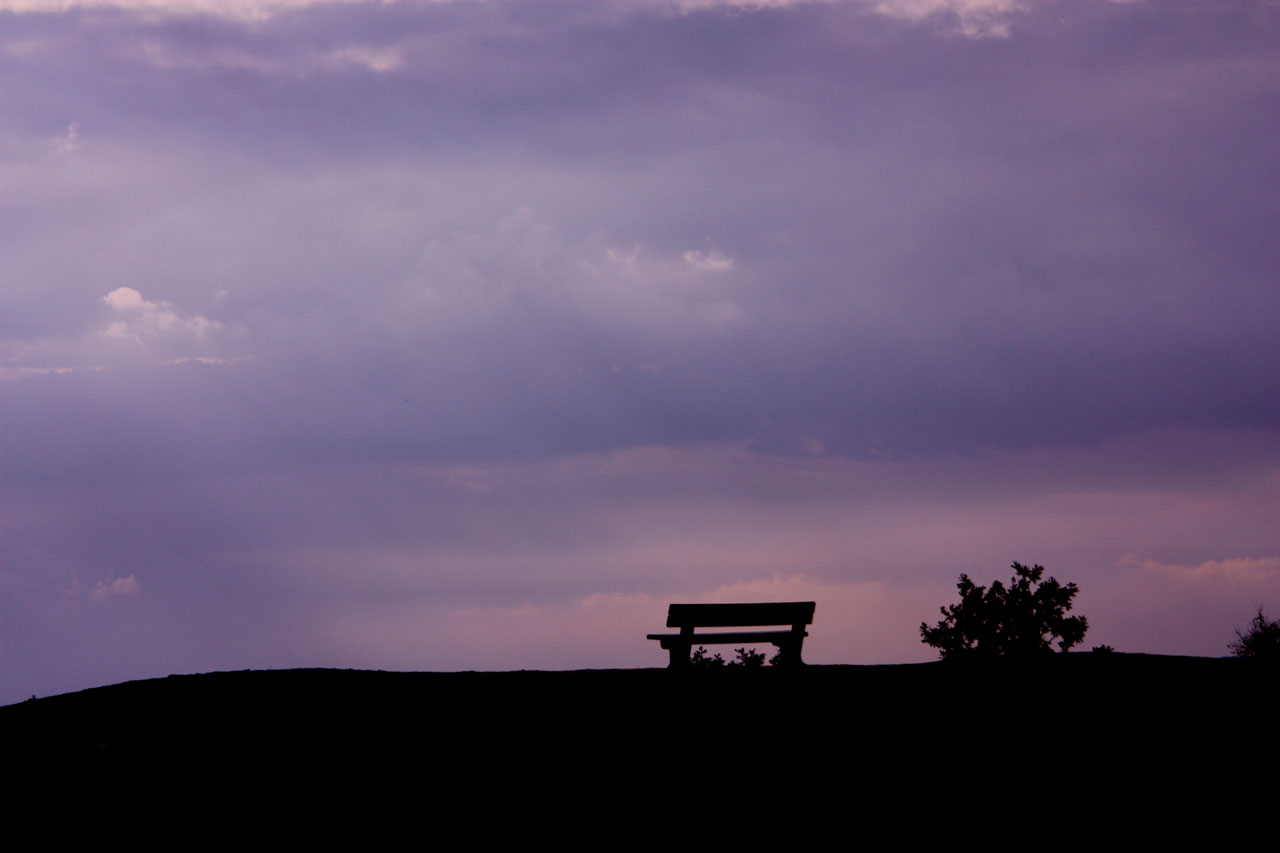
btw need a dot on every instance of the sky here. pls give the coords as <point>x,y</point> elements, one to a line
<point>469,335</point>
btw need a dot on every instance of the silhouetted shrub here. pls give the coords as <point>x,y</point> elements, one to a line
<point>744,657</point>
<point>749,658</point>
<point>1260,640</point>
<point>1103,649</point>
<point>1022,619</point>
<point>701,660</point>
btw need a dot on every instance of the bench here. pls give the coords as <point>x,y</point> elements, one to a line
<point>686,617</point>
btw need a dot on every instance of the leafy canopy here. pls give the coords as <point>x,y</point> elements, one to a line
<point>1024,618</point>
<point>1260,640</point>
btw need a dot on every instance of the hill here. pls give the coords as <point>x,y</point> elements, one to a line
<point>1069,722</point>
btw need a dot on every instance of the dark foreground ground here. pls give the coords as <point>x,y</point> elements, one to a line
<point>1072,727</point>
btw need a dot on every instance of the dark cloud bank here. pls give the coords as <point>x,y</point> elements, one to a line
<point>311,320</point>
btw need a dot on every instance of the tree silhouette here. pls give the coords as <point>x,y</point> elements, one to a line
<point>1021,619</point>
<point>1260,640</point>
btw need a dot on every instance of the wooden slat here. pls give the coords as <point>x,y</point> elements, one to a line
<point>727,615</point>
<point>667,640</point>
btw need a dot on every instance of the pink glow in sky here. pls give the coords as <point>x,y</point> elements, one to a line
<point>457,335</point>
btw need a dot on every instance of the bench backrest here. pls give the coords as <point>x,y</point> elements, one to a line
<point>723,615</point>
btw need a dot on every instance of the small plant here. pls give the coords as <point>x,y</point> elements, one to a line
<point>701,660</point>
<point>1102,650</point>
<point>748,658</point>
<point>1260,640</point>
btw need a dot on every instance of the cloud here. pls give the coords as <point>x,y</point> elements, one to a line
<point>11,373</point>
<point>143,320</point>
<point>525,264</point>
<point>249,10</point>
<point>116,587</point>
<point>969,18</point>
<point>154,327</point>
<point>377,59</point>
<point>712,261</point>
<point>127,299</point>
<point>1235,570</point>
<point>67,142</point>
<point>505,225</point>
<point>126,586</point>
<point>164,55</point>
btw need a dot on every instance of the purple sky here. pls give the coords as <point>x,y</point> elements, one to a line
<point>450,335</point>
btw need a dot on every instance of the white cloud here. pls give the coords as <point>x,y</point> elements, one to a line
<point>142,319</point>
<point>166,55</point>
<point>125,299</point>
<point>10,373</point>
<point>148,326</point>
<point>116,587</point>
<point>209,359</point>
<point>67,142</point>
<point>471,278</point>
<point>161,54</point>
<point>712,261</point>
<point>380,59</point>
<point>251,10</point>
<point>1232,570</point>
<point>972,18</point>
<point>649,289</point>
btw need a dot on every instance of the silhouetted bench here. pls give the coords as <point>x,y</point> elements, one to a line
<point>686,617</point>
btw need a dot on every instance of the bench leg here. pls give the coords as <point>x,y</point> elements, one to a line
<point>789,651</point>
<point>679,655</point>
